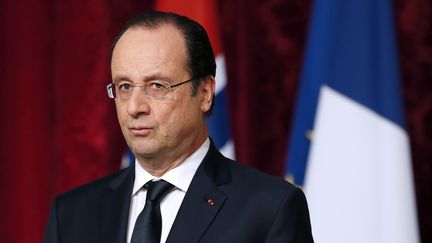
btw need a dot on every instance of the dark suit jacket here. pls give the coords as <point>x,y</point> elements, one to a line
<point>249,207</point>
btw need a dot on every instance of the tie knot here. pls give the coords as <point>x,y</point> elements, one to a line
<point>157,190</point>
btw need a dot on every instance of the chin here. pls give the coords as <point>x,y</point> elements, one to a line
<point>143,150</point>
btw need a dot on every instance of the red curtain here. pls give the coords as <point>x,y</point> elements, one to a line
<point>264,43</point>
<point>59,130</point>
<point>414,24</point>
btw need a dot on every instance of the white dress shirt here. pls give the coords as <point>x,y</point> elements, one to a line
<point>180,177</point>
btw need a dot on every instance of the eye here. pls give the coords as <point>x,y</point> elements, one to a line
<point>157,85</point>
<point>124,86</point>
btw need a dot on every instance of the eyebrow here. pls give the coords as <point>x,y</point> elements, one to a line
<point>120,78</point>
<point>155,76</point>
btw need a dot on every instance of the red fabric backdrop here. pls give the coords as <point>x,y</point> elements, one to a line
<point>59,130</point>
<point>414,23</point>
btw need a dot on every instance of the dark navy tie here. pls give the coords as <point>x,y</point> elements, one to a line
<point>148,226</point>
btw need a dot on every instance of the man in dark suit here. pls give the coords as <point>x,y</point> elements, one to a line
<point>180,188</point>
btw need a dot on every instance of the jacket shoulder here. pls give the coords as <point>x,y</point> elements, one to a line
<point>89,191</point>
<point>258,180</point>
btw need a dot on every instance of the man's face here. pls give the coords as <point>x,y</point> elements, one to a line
<point>167,127</point>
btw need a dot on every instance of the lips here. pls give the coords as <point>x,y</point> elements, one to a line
<point>140,131</point>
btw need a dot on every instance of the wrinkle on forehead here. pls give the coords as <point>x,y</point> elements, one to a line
<point>150,52</point>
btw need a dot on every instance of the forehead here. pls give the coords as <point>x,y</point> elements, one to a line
<point>150,50</point>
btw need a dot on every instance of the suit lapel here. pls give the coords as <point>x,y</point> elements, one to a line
<point>114,210</point>
<point>203,199</point>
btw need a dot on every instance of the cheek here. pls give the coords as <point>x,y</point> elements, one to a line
<point>122,118</point>
<point>121,113</point>
<point>175,120</point>
<point>172,122</point>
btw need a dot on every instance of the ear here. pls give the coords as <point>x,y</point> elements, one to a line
<point>207,90</point>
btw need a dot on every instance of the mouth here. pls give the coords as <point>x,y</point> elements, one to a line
<point>140,131</point>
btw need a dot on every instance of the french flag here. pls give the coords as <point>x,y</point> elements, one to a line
<point>205,13</point>
<point>349,147</point>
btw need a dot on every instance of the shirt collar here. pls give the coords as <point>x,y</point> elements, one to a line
<point>180,176</point>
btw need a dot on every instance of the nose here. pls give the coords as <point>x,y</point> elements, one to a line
<point>138,104</point>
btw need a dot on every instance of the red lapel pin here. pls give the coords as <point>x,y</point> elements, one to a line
<point>210,202</point>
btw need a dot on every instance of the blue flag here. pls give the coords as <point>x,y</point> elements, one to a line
<point>218,122</point>
<point>349,147</point>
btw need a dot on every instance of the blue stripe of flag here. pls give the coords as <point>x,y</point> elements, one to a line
<point>218,122</point>
<point>351,48</point>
